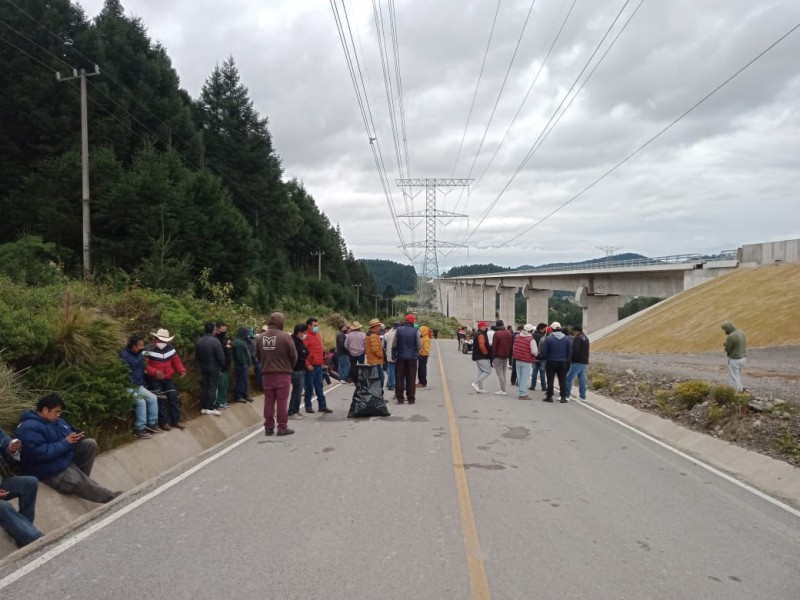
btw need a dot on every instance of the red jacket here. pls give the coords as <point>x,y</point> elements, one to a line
<point>316,354</point>
<point>163,360</point>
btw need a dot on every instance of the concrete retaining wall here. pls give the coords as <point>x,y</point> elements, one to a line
<point>130,465</point>
<point>787,251</point>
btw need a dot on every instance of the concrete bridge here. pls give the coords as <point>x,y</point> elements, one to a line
<point>599,289</point>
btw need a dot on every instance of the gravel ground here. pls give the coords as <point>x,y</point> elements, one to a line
<point>770,373</point>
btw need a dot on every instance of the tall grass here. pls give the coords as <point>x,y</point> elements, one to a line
<point>14,398</point>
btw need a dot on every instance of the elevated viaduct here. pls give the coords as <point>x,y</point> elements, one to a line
<point>599,289</point>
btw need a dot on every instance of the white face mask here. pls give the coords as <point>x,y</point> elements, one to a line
<point>161,345</point>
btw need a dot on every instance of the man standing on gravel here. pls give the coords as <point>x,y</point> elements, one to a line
<point>736,349</point>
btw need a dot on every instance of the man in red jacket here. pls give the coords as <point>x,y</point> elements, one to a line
<point>501,351</point>
<point>161,364</point>
<point>314,362</point>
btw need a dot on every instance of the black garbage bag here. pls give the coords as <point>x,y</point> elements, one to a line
<point>368,400</point>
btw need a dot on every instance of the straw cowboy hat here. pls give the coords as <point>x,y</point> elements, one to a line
<point>355,325</point>
<point>163,335</point>
<point>374,322</point>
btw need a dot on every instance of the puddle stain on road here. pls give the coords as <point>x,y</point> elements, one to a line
<point>517,433</point>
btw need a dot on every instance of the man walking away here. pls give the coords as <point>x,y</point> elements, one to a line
<point>342,357</point>
<point>145,402</point>
<point>424,352</point>
<point>524,351</point>
<point>405,349</point>
<point>390,365</point>
<point>501,352</point>
<point>278,357</point>
<point>539,365</point>
<point>241,363</point>
<point>209,355</point>
<point>556,351</point>
<point>299,371</point>
<point>161,364</point>
<point>736,349</point>
<point>57,455</point>
<point>316,358</point>
<point>580,361</point>
<point>19,525</point>
<point>482,355</point>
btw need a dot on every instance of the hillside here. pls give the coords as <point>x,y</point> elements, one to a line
<point>763,301</point>
<point>402,277</point>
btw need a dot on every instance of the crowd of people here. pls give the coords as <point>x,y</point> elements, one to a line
<point>536,353</point>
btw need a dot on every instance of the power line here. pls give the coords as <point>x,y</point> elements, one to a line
<point>399,78</point>
<point>652,139</point>
<point>544,129</point>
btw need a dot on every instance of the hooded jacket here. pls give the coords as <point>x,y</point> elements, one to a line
<point>241,351</point>
<point>45,449</point>
<point>425,339</point>
<point>736,342</point>
<point>275,348</point>
<point>556,348</point>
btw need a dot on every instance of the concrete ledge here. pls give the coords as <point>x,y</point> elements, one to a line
<point>775,477</point>
<point>128,466</point>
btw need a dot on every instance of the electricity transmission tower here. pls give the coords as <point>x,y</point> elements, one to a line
<point>609,250</point>
<point>431,245</point>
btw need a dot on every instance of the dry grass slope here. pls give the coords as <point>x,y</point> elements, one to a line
<point>764,302</point>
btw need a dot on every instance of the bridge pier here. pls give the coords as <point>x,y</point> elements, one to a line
<point>537,305</point>
<point>469,307</point>
<point>598,311</point>
<point>488,303</point>
<point>507,304</point>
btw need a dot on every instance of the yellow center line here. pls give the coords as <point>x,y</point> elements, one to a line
<point>477,572</point>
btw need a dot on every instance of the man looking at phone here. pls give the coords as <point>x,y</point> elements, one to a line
<point>57,455</point>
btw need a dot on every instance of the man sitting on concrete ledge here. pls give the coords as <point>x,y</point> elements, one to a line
<point>19,525</point>
<point>57,455</point>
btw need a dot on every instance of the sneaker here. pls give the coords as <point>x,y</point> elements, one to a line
<point>296,416</point>
<point>547,399</point>
<point>475,387</point>
<point>242,400</point>
<point>324,410</point>
<point>269,432</point>
<point>525,397</point>
<point>222,406</point>
<point>564,400</point>
<point>583,399</point>
<point>214,412</point>
<point>483,391</point>
<point>500,393</point>
<point>205,411</point>
<point>165,427</point>
<point>286,431</point>
<point>154,428</point>
<point>141,434</point>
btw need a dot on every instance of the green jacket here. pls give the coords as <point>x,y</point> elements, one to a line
<point>736,342</point>
<point>241,353</point>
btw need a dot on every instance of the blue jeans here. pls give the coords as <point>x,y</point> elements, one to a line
<point>579,370</point>
<point>539,369</point>
<point>524,370</point>
<point>145,405</point>
<point>390,370</point>
<point>240,386</point>
<point>19,525</point>
<point>169,407</point>
<point>314,386</point>
<point>298,380</point>
<point>343,365</point>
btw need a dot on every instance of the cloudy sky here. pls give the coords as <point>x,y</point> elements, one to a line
<point>726,174</point>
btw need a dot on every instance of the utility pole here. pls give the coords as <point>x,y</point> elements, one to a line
<point>358,292</point>
<point>87,227</point>
<point>376,296</point>
<point>319,254</point>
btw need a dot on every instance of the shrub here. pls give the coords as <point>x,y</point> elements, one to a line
<point>25,317</point>
<point>32,261</point>
<point>615,389</point>
<point>787,444</point>
<point>14,397</point>
<point>598,382</point>
<point>690,393</point>
<point>723,395</point>
<point>664,403</point>
<point>715,415</point>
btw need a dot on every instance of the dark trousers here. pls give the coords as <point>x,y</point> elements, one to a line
<point>169,407</point>
<point>240,386</point>
<point>422,370</point>
<point>75,478</point>
<point>556,369</point>
<point>298,385</point>
<point>276,399</point>
<point>355,360</point>
<point>209,379</point>
<point>513,365</point>
<point>405,379</point>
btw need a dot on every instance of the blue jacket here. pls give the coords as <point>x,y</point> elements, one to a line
<point>556,348</point>
<point>135,362</point>
<point>45,449</point>
<point>406,344</point>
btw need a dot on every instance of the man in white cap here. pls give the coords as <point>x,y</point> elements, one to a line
<point>161,364</point>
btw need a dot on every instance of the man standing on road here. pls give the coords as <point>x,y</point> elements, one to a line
<point>315,360</point>
<point>405,350</point>
<point>19,525</point>
<point>580,361</point>
<point>355,345</point>
<point>525,350</point>
<point>539,365</point>
<point>224,375</point>
<point>501,352</point>
<point>209,355</point>
<point>424,352</point>
<point>556,351</point>
<point>390,366</point>
<point>736,349</point>
<point>278,356</point>
<point>342,357</point>
<point>482,355</point>
<point>241,363</point>
<point>373,347</point>
<point>56,454</point>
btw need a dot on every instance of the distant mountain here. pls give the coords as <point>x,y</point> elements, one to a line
<point>492,268</point>
<point>475,270</point>
<point>402,278</point>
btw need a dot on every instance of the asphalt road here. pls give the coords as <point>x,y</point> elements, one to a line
<point>565,504</point>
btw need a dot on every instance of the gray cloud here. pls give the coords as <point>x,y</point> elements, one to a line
<point>728,174</point>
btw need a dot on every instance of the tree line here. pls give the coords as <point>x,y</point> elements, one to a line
<point>182,187</point>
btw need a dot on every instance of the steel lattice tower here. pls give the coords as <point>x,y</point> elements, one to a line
<point>431,245</point>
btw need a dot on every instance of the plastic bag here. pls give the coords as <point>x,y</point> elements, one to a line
<point>368,400</point>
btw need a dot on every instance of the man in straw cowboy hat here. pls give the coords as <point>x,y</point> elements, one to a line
<point>355,344</point>
<point>373,347</point>
<point>162,362</point>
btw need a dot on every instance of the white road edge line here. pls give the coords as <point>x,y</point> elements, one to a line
<point>695,461</point>
<point>79,537</point>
